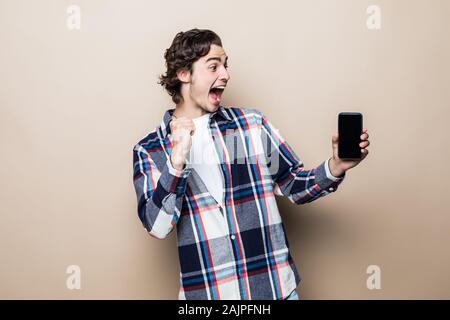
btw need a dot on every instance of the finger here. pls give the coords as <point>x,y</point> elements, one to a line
<point>335,137</point>
<point>364,144</point>
<point>364,136</point>
<point>363,156</point>
<point>182,118</point>
<point>183,124</point>
<point>188,127</point>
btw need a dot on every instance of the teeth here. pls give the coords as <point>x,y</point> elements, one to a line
<point>219,87</point>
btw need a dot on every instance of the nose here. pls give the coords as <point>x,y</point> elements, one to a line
<point>225,75</point>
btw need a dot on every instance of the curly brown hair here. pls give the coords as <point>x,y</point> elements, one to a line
<point>186,48</point>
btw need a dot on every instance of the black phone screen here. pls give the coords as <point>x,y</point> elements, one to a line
<point>350,127</point>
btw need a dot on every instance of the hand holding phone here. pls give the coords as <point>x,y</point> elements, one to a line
<point>350,127</point>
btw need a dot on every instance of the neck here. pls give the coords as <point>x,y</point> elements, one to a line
<point>189,110</point>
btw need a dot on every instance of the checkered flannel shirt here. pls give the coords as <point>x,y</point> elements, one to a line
<point>236,249</point>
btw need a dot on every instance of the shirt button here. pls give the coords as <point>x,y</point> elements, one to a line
<point>232,237</point>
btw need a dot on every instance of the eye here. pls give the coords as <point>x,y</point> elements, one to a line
<point>213,67</point>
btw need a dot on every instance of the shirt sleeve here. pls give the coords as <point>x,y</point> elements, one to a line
<point>159,192</point>
<point>328,172</point>
<point>289,176</point>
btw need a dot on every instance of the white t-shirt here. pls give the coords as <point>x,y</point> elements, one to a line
<point>204,159</point>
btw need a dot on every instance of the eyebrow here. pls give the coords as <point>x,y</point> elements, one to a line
<point>216,58</point>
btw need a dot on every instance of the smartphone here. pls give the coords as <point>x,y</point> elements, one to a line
<point>350,126</point>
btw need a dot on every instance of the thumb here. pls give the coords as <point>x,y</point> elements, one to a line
<point>335,138</point>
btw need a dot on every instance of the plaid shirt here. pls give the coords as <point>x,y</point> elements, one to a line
<point>238,249</point>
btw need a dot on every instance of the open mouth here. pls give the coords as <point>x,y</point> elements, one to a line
<point>215,94</point>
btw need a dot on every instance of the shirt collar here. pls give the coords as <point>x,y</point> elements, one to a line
<point>165,124</point>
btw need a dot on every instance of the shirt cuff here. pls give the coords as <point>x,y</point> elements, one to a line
<point>173,180</point>
<point>328,172</point>
<point>176,172</point>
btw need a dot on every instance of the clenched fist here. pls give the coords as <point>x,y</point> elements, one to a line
<point>182,130</point>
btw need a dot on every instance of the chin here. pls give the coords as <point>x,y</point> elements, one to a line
<point>212,108</point>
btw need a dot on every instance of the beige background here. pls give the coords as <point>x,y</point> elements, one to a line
<point>73,104</point>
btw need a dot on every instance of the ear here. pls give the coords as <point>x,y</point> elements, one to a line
<point>184,75</point>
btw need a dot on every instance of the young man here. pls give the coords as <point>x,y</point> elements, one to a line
<point>213,172</point>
